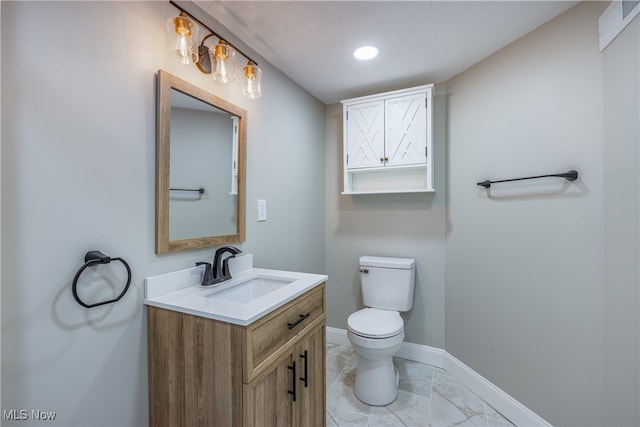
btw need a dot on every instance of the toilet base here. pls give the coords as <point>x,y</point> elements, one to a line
<point>376,381</point>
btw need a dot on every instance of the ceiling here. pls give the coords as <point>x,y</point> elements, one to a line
<point>420,42</point>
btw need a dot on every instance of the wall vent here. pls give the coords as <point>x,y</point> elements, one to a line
<point>628,7</point>
<point>615,19</point>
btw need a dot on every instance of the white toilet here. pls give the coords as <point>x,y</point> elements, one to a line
<point>376,332</point>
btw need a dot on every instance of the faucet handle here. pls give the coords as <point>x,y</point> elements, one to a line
<point>225,266</point>
<point>207,277</point>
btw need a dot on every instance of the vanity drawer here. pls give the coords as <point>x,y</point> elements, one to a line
<point>267,338</point>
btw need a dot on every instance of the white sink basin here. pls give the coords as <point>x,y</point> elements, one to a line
<point>249,295</point>
<point>250,289</point>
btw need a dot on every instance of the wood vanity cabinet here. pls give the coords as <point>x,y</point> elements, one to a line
<point>205,372</point>
<point>299,372</point>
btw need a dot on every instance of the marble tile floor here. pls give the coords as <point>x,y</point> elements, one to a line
<point>428,396</point>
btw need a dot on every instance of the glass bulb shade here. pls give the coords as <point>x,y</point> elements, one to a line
<point>183,38</point>
<point>222,63</point>
<point>252,78</point>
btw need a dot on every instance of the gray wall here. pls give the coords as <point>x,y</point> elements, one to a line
<point>621,101</point>
<point>78,173</point>
<point>533,303</point>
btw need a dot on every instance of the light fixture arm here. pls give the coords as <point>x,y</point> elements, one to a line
<point>181,9</point>
<point>203,64</point>
<point>207,36</point>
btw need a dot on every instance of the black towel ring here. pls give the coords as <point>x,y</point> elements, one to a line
<point>97,257</point>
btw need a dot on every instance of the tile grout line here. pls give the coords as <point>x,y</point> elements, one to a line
<point>433,378</point>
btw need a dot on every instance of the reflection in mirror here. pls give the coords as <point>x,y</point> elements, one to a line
<point>200,168</point>
<point>201,158</point>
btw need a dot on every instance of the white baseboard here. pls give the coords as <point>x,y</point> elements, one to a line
<point>416,352</point>
<point>337,336</point>
<point>422,353</point>
<point>513,410</point>
<point>516,412</point>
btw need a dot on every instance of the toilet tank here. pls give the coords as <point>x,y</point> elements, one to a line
<point>387,283</point>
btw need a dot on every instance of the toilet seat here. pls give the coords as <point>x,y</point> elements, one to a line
<point>375,323</point>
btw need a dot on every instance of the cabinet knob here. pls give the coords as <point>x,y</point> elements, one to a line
<point>382,159</point>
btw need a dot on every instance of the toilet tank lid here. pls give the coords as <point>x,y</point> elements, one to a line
<point>387,262</point>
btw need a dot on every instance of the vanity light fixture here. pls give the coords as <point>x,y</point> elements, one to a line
<point>252,77</point>
<point>218,60</point>
<point>183,33</point>
<point>221,59</point>
<point>365,52</point>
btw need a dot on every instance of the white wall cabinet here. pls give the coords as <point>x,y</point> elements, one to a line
<point>388,141</point>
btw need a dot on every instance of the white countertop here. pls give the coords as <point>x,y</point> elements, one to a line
<point>181,291</point>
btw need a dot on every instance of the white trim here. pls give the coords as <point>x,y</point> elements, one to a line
<point>513,410</point>
<point>423,354</point>
<point>416,352</point>
<point>337,336</point>
<point>393,93</point>
<point>611,22</point>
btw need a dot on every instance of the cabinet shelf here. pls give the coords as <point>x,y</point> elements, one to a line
<point>385,180</point>
<point>386,169</point>
<point>407,191</point>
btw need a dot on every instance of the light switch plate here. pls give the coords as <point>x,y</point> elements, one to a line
<point>262,210</point>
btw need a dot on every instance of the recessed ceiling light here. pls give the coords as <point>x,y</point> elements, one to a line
<point>366,52</point>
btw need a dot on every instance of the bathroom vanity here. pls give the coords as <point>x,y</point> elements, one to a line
<point>265,367</point>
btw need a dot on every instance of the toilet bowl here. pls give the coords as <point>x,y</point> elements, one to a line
<point>377,332</point>
<point>376,376</point>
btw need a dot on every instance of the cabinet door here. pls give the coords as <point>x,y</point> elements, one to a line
<point>310,407</point>
<point>406,130</point>
<point>268,401</point>
<point>365,135</point>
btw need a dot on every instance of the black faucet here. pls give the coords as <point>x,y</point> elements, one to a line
<point>219,271</point>
<point>221,267</point>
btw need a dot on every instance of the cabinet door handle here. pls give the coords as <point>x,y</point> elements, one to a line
<point>297,322</point>
<point>293,377</point>
<point>305,379</point>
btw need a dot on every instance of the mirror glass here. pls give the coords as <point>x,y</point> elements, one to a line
<point>200,168</point>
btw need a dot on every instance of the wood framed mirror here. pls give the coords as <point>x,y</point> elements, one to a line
<point>200,168</point>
